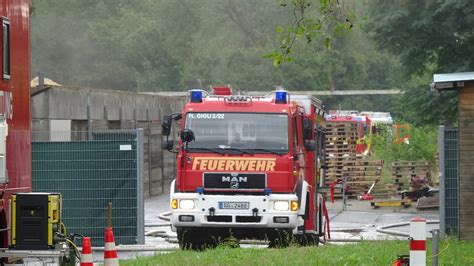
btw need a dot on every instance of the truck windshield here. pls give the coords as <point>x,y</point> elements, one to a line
<point>247,132</point>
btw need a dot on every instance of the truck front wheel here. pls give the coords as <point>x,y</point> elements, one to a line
<point>193,239</point>
<point>280,239</point>
<point>308,239</point>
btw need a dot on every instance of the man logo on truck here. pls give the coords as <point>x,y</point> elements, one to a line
<point>234,181</point>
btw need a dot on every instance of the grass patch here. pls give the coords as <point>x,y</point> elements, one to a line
<point>364,253</point>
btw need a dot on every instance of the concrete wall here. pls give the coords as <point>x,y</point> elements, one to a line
<point>82,109</point>
<point>466,162</point>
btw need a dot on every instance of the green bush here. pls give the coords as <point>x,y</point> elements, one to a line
<point>422,145</point>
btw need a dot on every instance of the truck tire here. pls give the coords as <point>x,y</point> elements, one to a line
<point>280,239</point>
<point>308,240</point>
<point>192,239</point>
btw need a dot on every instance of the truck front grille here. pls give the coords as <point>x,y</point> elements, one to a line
<point>235,181</point>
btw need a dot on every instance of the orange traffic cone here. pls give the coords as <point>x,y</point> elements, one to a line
<point>86,256</point>
<point>110,253</point>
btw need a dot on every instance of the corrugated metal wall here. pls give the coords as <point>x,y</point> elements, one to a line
<point>90,170</point>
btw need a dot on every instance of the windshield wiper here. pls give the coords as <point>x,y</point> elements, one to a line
<point>206,149</point>
<point>223,147</point>
<point>268,150</point>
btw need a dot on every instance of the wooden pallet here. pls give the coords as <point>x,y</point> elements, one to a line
<point>410,163</point>
<point>403,171</point>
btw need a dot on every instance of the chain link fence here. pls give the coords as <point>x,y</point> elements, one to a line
<point>449,180</point>
<point>91,169</point>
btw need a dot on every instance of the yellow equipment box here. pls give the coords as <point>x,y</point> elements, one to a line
<point>35,220</point>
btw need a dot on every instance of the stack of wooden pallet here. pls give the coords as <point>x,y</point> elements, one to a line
<point>340,148</point>
<point>342,161</point>
<point>362,173</point>
<point>405,172</point>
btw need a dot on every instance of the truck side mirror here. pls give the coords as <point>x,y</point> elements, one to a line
<point>187,135</point>
<point>167,145</point>
<point>166,125</point>
<point>307,129</point>
<point>310,145</point>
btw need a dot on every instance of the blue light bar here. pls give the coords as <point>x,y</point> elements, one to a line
<point>267,191</point>
<point>200,190</point>
<point>281,96</point>
<point>196,96</point>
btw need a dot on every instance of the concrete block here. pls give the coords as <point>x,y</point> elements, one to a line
<point>128,105</point>
<point>156,174</point>
<point>68,104</point>
<point>40,106</point>
<point>155,188</point>
<point>112,106</point>
<point>99,125</point>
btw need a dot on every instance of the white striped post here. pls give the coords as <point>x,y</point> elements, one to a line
<point>418,242</point>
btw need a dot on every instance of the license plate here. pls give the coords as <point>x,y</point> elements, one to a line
<point>234,205</point>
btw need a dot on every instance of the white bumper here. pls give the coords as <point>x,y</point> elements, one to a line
<point>208,205</point>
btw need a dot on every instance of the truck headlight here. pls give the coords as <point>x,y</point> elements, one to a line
<point>280,205</point>
<point>186,204</point>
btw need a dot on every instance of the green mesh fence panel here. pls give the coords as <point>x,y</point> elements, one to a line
<point>451,180</point>
<point>89,174</point>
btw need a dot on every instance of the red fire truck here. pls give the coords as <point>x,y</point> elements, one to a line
<point>15,111</point>
<point>246,168</point>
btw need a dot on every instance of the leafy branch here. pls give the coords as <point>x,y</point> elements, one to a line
<point>321,20</point>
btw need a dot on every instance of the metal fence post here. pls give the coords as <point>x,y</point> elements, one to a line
<point>434,247</point>
<point>442,185</point>
<point>140,201</point>
<point>149,155</point>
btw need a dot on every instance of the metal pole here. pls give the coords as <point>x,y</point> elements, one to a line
<point>140,201</point>
<point>434,247</point>
<point>442,185</point>
<point>162,154</point>
<point>40,80</point>
<point>135,121</point>
<point>150,157</point>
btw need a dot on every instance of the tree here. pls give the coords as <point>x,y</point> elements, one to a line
<point>313,21</point>
<point>429,37</point>
<point>167,45</point>
<point>426,33</point>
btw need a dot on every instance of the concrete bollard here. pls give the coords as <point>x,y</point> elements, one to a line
<point>418,242</point>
